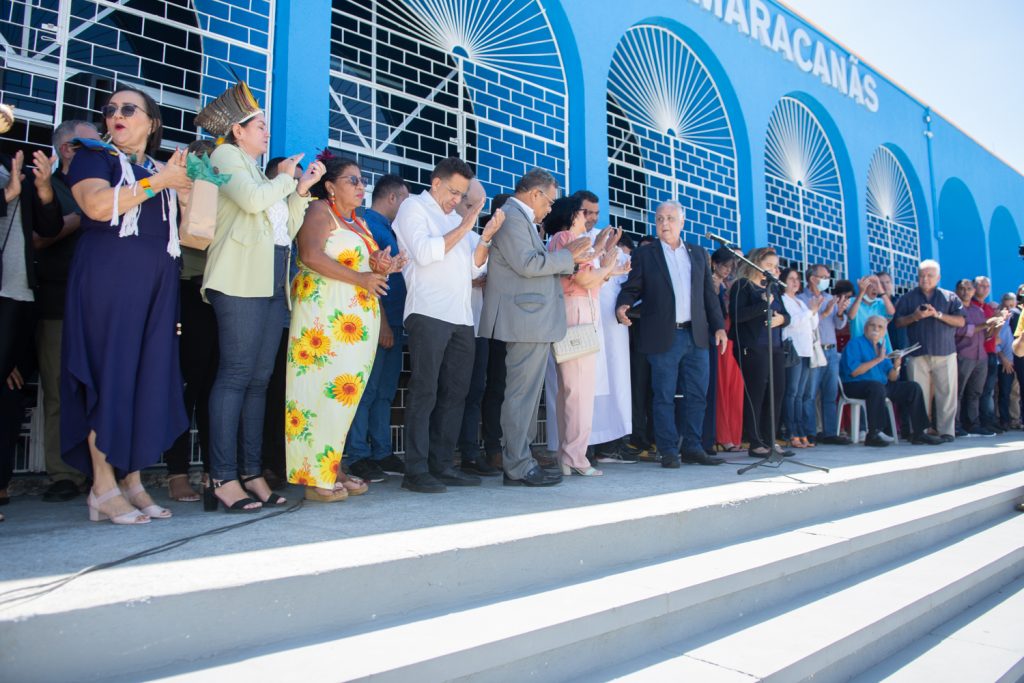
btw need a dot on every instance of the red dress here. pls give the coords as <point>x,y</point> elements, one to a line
<point>729,406</point>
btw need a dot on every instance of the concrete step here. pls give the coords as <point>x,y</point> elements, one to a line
<point>982,643</point>
<point>837,632</point>
<point>743,546</point>
<point>569,629</point>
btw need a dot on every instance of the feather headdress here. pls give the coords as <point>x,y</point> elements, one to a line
<point>237,105</point>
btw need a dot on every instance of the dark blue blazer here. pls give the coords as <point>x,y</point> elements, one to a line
<point>650,284</point>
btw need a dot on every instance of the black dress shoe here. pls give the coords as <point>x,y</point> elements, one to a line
<point>60,492</point>
<point>835,440</point>
<point>925,439</point>
<point>422,483</point>
<point>946,438</point>
<point>479,468</point>
<point>453,477</point>
<point>671,462</point>
<point>537,476</point>
<point>699,458</point>
<point>876,441</point>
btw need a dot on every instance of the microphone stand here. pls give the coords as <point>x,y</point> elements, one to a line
<point>774,457</point>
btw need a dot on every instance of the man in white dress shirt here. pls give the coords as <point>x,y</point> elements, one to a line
<point>439,322</point>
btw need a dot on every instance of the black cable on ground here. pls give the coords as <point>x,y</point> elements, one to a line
<point>27,593</point>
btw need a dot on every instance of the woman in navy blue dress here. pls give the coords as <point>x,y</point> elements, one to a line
<point>121,388</point>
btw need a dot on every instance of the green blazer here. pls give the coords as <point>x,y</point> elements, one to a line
<point>240,260</point>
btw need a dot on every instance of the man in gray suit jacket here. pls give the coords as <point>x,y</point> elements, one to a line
<point>524,307</point>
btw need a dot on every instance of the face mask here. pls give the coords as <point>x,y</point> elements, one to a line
<point>824,283</point>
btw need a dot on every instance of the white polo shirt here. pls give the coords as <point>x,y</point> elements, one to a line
<point>439,284</point>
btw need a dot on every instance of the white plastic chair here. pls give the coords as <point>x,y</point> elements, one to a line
<point>858,406</point>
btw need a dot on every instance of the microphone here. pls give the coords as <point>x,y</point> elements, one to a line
<point>721,240</point>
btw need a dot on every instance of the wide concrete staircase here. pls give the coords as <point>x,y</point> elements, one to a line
<point>908,569</point>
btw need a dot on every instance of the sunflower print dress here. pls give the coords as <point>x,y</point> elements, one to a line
<point>332,342</point>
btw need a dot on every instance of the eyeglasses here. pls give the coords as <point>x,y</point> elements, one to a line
<point>456,194</point>
<point>127,110</point>
<point>356,180</point>
<point>545,195</point>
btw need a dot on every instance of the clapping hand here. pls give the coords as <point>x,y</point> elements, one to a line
<point>580,250</point>
<point>310,177</point>
<point>623,268</point>
<point>606,239</point>
<point>288,166</point>
<point>925,311</point>
<point>173,175</point>
<point>44,167</point>
<point>13,188</point>
<point>493,225</point>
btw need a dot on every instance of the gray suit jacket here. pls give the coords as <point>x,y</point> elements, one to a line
<point>523,299</point>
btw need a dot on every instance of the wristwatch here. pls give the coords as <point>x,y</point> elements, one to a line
<point>486,243</point>
<point>939,314</point>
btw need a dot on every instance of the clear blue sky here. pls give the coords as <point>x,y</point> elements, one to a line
<point>962,58</point>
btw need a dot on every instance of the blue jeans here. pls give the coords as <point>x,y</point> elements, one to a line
<point>987,405</point>
<point>797,378</point>
<point>469,435</point>
<point>827,381</point>
<point>370,433</point>
<point>249,333</point>
<point>683,370</point>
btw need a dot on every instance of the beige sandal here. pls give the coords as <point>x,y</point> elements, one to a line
<point>313,494</point>
<point>352,484</point>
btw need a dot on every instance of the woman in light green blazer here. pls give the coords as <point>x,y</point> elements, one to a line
<point>246,281</point>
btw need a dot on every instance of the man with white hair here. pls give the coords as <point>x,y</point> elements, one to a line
<point>681,318</point>
<point>931,316</point>
<point>869,374</point>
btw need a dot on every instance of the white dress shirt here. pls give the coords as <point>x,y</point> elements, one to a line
<point>439,283</point>
<point>802,322</point>
<point>678,261</point>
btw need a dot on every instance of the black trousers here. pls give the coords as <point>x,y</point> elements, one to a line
<point>757,416</point>
<point>198,353</point>
<point>642,400</point>
<point>441,356</point>
<point>907,397</point>
<point>17,350</point>
<point>273,421</point>
<point>494,396</point>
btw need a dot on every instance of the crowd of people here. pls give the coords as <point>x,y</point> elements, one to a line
<point>284,338</point>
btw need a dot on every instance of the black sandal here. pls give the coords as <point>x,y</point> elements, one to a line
<point>272,499</point>
<point>211,502</point>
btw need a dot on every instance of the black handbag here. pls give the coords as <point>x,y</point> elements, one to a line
<point>789,353</point>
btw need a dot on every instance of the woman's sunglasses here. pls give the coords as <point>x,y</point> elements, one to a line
<point>356,180</point>
<point>127,110</point>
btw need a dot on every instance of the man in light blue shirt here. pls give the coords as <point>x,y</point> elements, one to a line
<point>870,375</point>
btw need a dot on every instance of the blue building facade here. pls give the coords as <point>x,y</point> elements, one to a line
<point>767,131</point>
<point>761,125</point>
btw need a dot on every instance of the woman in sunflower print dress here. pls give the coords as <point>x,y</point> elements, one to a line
<point>334,331</point>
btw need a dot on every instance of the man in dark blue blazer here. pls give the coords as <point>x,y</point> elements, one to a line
<point>680,316</point>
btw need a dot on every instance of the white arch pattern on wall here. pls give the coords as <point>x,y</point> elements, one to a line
<point>804,194</point>
<point>669,133</point>
<point>892,220</point>
<point>413,81</point>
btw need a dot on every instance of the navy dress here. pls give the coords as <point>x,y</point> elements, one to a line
<point>119,355</point>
